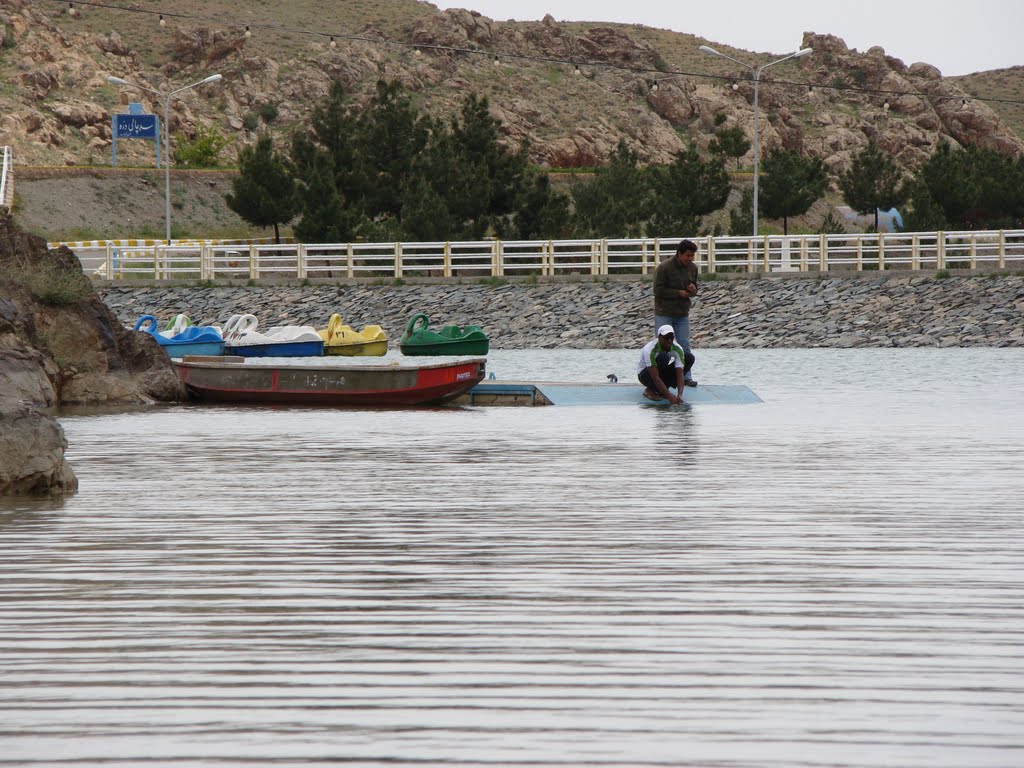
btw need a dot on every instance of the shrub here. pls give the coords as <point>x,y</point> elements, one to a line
<point>203,151</point>
<point>268,112</point>
<point>831,225</point>
<point>53,285</point>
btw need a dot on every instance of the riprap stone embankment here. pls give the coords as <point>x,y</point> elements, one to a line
<point>891,310</point>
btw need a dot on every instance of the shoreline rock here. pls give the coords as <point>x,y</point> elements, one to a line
<point>60,345</point>
<point>888,310</point>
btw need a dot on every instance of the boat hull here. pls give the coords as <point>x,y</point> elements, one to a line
<point>359,349</point>
<point>210,348</point>
<point>357,385</point>
<point>441,348</point>
<point>277,349</point>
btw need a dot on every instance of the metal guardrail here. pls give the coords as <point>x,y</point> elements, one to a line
<point>7,177</point>
<point>995,249</point>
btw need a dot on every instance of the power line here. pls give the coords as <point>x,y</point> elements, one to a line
<point>660,74</point>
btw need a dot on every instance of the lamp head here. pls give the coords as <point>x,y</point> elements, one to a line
<point>213,78</point>
<point>116,81</point>
<point>803,52</point>
<point>709,49</point>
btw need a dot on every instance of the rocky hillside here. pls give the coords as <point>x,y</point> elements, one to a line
<point>57,106</point>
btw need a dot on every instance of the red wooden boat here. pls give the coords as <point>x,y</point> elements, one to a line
<point>295,381</point>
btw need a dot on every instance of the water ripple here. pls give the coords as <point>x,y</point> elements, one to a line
<point>832,578</point>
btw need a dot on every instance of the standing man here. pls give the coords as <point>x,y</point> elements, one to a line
<point>675,283</point>
<point>662,366</point>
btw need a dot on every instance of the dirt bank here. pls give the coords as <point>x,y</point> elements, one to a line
<point>125,204</point>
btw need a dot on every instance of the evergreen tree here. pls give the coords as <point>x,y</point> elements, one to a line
<point>684,191</point>
<point>741,218</point>
<point>872,182</point>
<point>424,215</point>
<point>264,192</point>
<point>333,130</point>
<point>477,137</point>
<point>615,202</point>
<point>389,135</point>
<point>789,185</point>
<point>325,217</point>
<point>461,180</point>
<point>542,212</point>
<point>730,142</point>
<point>969,188</point>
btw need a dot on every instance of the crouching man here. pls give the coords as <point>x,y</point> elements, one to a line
<point>663,366</point>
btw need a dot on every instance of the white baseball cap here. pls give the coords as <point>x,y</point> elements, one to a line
<point>666,329</point>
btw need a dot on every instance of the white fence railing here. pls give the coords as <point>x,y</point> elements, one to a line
<point>7,177</point>
<point>997,249</point>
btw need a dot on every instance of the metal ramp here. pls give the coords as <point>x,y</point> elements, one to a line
<point>523,393</point>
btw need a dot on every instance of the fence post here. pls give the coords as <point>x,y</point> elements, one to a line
<point>974,251</point>
<point>254,262</point>
<point>1002,249</point>
<point>823,259</point>
<point>711,255</point>
<point>881,252</point>
<point>860,253</point>
<point>447,251</point>
<point>300,261</point>
<point>398,259</point>
<point>767,256</point>
<point>348,261</point>
<point>915,254</point>
<point>940,250</point>
<point>204,261</point>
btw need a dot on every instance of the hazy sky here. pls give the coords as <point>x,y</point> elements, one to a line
<point>958,38</point>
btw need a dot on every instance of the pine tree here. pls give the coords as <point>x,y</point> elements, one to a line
<point>969,188</point>
<point>872,182</point>
<point>730,142</point>
<point>263,193</point>
<point>325,216</point>
<point>790,185</point>
<point>684,191</point>
<point>615,203</point>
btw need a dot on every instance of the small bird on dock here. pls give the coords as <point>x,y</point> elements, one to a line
<point>613,378</point>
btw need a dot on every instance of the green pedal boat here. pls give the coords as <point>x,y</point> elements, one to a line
<point>418,339</point>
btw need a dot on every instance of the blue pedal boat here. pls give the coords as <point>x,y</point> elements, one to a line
<point>181,341</point>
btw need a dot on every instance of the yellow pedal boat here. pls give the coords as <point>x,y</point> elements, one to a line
<point>340,339</point>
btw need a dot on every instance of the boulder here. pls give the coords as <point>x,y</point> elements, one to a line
<point>78,114</point>
<point>204,46</point>
<point>113,43</point>
<point>32,448</point>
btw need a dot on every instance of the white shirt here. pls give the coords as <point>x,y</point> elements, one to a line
<point>649,356</point>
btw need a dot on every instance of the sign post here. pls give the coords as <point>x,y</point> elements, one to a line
<point>135,124</point>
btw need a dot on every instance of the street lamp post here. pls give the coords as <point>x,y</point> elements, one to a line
<point>166,96</point>
<point>757,79</point>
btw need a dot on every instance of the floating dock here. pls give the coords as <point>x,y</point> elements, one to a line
<point>524,393</point>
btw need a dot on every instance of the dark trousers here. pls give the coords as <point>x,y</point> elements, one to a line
<point>667,370</point>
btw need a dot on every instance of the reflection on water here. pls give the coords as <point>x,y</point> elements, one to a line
<point>831,578</point>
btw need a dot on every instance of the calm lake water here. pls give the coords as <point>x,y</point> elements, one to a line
<point>834,577</point>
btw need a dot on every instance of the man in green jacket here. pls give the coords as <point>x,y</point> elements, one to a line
<point>675,284</point>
